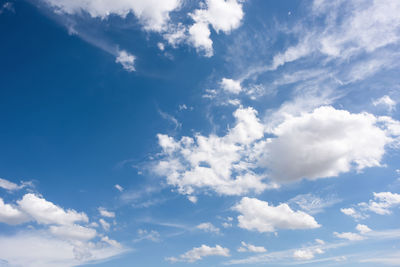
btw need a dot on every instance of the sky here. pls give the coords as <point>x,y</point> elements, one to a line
<point>199,133</point>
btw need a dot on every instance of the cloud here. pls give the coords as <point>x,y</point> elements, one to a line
<point>306,254</point>
<point>152,14</point>
<point>218,163</point>
<point>39,249</point>
<point>208,227</point>
<point>119,188</point>
<point>363,229</point>
<point>312,204</point>
<point>251,248</point>
<point>199,253</point>
<point>105,213</point>
<point>382,204</point>
<point>73,232</point>
<point>385,101</point>
<point>231,86</point>
<point>106,226</point>
<point>222,15</point>
<point>353,213</point>
<point>11,215</point>
<point>325,143</point>
<point>10,186</point>
<point>349,236</point>
<point>126,60</point>
<point>257,215</point>
<point>147,235</point>
<point>45,212</point>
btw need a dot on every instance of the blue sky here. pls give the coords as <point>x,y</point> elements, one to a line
<point>204,133</point>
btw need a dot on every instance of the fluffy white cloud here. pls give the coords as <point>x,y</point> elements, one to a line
<point>250,248</point>
<point>126,60</point>
<point>198,253</point>
<point>353,213</point>
<point>231,86</point>
<point>260,216</point>
<point>222,15</point>
<point>325,143</point>
<point>363,229</point>
<point>106,213</point>
<point>45,212</point>
<point>208,227</point>
<point>349,236</point>
<point>219,163</point>
<point>153,14</point>
<point>385,101</point>
<point>11,215</point>
<point>306,254</point>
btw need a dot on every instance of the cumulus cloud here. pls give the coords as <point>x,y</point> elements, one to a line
<point>251,248</point>
<point>381,204</point>
<point>106,226</point>
<point>11,215</point>
<point>218,163</point>
<point>306,254</point>
<point>105,213</point>
<point>208,227</point>
<point>199,253</point>
<point>385,101</point>
<point>152,14</point>
<point>119,188</point>
<point>257,215</point>
<point>231,86</point>
<point>46,212</point>
<point>363,229</point>
<point>126,60</point>
<point>222,15</point>
<point>325,143</point>
<point>349,236</point>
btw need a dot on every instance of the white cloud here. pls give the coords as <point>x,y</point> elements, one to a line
<point>383,202</point>
<point>39,249</point>
<point>152,14</point>
<point>251,248</point>
<point>126,60</point>
<point>385,101</point>
<point>119,188</point>
<point>218,163</point>
<point>73,232</point>
<point>312,204</point>
<point>260,216</point>
<point>10,186</point>
<point>349,236</point>
<point>231,86</point>
<point>45,212</point>
<point>325,143</point>
<point>106,213</point>
<point>363,229</point>
<point>147,235</point>
<point>199,253</point>
<point>192,199</point>
<point>104,224</point>
<point>306,254</point>
<point>11,215</point>
<point>208,227</point>
<point>353,213</point>
<point>222,15</point>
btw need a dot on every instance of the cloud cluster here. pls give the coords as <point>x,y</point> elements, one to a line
<point>208,227</point>
<point>62,237</point>
<point>258,215</point>
<point>198,253</point>
<point>251,248</point>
